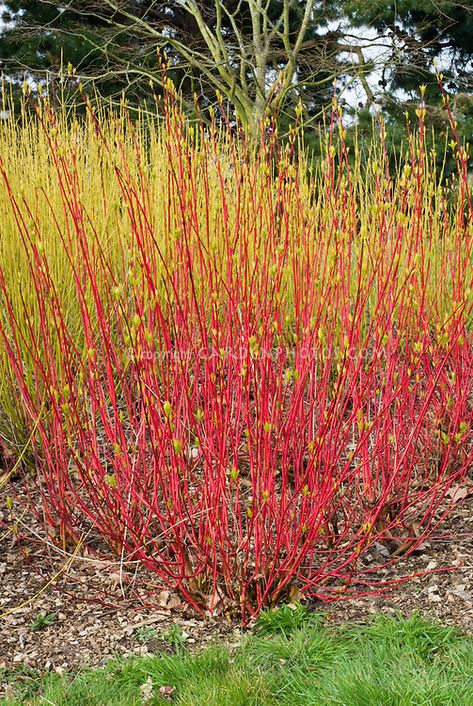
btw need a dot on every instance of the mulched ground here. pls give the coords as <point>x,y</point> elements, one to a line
<point>85,632</point>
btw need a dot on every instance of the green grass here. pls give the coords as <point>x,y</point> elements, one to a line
<point>293,658</point>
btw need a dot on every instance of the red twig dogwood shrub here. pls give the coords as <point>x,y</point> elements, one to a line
<point>244,375</point>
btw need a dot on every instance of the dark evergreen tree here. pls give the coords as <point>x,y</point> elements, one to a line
<point>254,53</point>
<point>235,47</point>
<point>421,33</point>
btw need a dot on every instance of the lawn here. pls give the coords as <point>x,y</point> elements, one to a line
<point>291,658</point>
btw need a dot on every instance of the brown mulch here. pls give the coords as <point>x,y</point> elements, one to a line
<point>89,632</point>
<point>443,593</point>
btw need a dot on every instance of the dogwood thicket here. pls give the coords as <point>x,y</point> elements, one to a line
<point>238,370</point>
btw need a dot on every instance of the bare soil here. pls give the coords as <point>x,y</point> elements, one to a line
<point>92,619</point>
